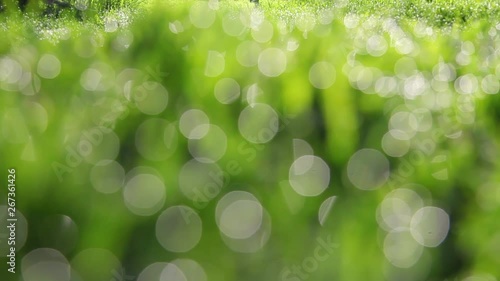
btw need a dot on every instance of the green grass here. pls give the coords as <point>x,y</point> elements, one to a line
<point>441,13</point>
<point>377,61</point>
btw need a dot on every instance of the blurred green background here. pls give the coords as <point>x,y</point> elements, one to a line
<point>228,141</point>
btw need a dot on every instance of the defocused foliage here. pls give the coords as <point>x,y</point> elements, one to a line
<point>401,107</point>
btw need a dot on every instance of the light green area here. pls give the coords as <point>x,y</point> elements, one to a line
<point>436,60</point>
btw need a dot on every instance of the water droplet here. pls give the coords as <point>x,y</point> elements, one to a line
<point>191,119</point>
<point>429,226</point>
<point>309,175</point>
<point>201,15</point>
<point>232,25</point>
<point>325,209</point>
<point>240,218</point>
<point>95,264</point>
<point>176,27</point>
<point>60,232</point>
<point>178,229</point>
<point>402,124</point>
<point>215,64</point>
<point>247,53</point>
<point>490,84</point>
<point>151,98</point>
<point>272,62</point>
<point>211,146</point>
<point>322,75</point>
<point>49,66</point>
<point>394,147</point>
<point>301,148</point>
<point>227,90</point>
<point>400,248</point>
<point>368,169</point>
<point>144,194</point>
<point>172,272</point>
<point>192,270</point>
<point>467,84</point>
<point>263,33</point>
<point>251,232</point>
<point>45,264</point>
<point>398,207</point>
<point>152,272</point>
<point>11,71</point>
<point>376,46</point>
<point>99,77</point>
<point>258,123</point>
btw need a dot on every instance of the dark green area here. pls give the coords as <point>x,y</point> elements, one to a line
<point>441,57</point>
